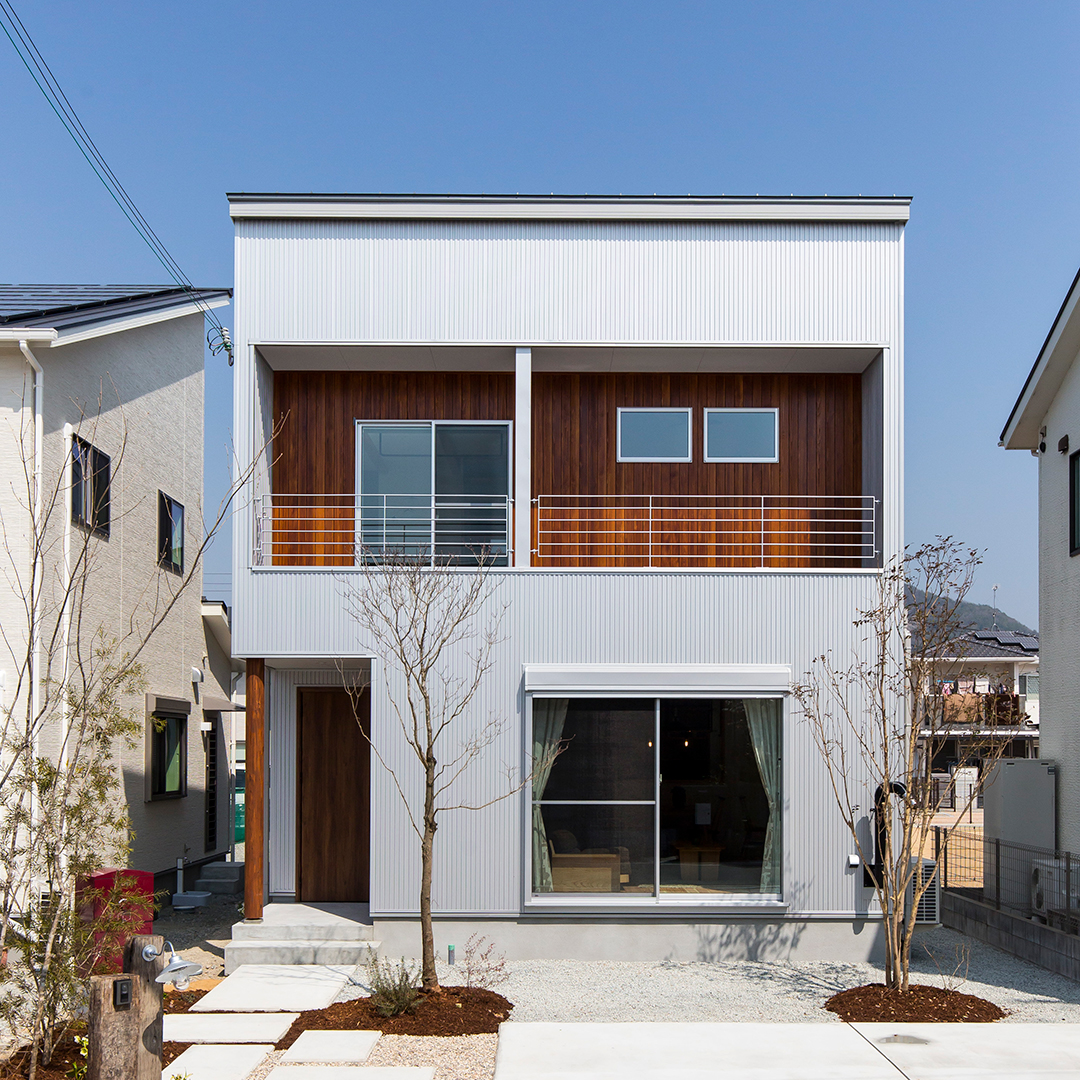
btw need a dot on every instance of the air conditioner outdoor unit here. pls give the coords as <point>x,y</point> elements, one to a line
<point>929,907</point>
<point>1048,887</point>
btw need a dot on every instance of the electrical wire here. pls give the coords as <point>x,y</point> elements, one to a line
<point>217,337</point>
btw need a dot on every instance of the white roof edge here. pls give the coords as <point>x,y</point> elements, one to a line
<point>27,333</point>
<point>648,678</point>
<point>855,209</point>
<point>1022,430</point>
<point>132,322</point>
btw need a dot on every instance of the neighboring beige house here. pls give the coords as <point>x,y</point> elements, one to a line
<point>1046,421</point>
<point>101,397</point>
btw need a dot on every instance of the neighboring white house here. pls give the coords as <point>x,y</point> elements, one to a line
<point>1046,421</point>
<point>678,422</point>
<point>101,399</point>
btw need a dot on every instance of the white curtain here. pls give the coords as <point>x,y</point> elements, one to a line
<point>763,718</point>
<point>548,718</point>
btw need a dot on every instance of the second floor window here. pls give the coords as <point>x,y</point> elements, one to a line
<point>170,533</point>
<point>653,435</point>
<point>90,478</point>
<point>168,756</point>
<point>747,435</point>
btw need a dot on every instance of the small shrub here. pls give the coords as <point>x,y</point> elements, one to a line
<point>394,987</point>
<point>484,967</point>
<point>77,1069</point>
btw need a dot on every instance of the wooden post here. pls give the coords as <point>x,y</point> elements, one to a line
<point>125,1041</point>
<point>254,790</point>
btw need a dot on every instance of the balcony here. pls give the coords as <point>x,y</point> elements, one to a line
<point>659,531</point>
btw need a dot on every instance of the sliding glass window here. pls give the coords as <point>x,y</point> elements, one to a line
<point>657,797</point>
<point>438,491</point>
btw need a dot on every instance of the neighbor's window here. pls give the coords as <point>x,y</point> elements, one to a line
<point>90,470</point>
<point>168,756</point>
<point>1074,503</point>
<point>742,435</point>
<point>653,435</point>
<point>658,798</point>
<point>170,533</point>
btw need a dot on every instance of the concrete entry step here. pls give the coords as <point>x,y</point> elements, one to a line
<point>308,922</point>
<point>318,1047</point>
<point>230,871</point>
<point>276,988</point>
<point>193,1027</point>
<point>217,1062</point>
<point>298,951</point>
<point>220,886</point>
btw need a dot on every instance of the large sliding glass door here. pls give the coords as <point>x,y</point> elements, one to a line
<point>668,798</point>
<point>434,490</point>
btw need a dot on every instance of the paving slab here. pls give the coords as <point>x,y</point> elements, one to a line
<point>217,1062</point>
<point>276,988</point>
<point>672,1051</point>
<point>351,1072</point>
<point>982,1051</point>
<point>337,1046</point>
<point>191,1027</point>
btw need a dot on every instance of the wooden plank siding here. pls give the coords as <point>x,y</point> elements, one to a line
<point>574,454</point>
<point>315,450</point>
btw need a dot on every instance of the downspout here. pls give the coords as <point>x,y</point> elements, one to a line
<point>39,580</point>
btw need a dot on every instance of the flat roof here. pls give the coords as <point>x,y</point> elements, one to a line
<point>570,207</point>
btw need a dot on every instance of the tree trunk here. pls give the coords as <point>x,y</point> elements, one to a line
<point>429,976</point>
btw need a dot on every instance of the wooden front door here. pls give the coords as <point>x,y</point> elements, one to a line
<point>333,801</point>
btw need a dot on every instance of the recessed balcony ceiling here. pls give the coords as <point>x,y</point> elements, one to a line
<point>849,359</point>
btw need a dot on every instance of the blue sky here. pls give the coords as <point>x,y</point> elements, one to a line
<point>971,108</point>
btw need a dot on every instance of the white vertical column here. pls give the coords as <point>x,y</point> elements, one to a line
<point>522,458</point>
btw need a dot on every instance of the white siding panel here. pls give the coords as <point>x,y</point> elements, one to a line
<point>560,618</point>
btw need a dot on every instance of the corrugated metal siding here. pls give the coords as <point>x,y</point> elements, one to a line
<point>530,282</point>
<point>569,618</point>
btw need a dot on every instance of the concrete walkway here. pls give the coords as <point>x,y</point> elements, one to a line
<point>750,1051</point>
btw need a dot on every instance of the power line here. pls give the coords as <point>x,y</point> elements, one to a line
<point>218,337</point>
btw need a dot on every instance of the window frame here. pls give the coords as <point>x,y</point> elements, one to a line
<point>157,735</point>
<point>614,903</point>
<point>1074,503</point>
<point>166,545</point>
<point>688,411</point>
<point>706,457</point>
<point>99,520</point>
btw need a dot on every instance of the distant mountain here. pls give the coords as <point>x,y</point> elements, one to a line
<point>981,617</point>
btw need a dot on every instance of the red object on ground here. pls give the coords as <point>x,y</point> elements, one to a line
<point>97,897</point>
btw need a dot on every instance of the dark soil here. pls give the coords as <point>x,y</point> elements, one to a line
<point>453,1010</point>
<point>917,1004</point>
<point>180,1001</point>
<point>63,1057</point>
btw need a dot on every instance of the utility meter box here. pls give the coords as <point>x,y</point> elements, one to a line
<point>1020,803</point>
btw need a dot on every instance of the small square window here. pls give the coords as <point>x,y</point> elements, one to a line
<point>170,533</point>
<point>654,435</point>
<point>168,756</point>
<point>742,435</point>
<point>90,484</point>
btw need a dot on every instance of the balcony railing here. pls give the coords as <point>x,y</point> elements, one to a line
<point>706,530</point>
<point>346,530</point>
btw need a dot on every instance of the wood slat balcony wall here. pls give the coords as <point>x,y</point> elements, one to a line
<point>316,448</point>
<point>820,417</point>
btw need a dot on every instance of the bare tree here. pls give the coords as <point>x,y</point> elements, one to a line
<point>432,625</point>
<point>877,724</point>
<point>73,706</point>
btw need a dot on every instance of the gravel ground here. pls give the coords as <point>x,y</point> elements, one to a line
<point>741,990</point>
<point>201,934</point>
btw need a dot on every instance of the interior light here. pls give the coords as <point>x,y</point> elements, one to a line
<point>686,744</point>
<point>650,742</point>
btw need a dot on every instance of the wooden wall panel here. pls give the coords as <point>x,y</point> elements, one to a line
<point>315,453</point>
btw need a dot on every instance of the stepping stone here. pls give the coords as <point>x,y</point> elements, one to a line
<point>350,1072</point>
<point>276,988</point>
<point>192,1027</point>
<point>217,1062</point>
<point>337,1046</point>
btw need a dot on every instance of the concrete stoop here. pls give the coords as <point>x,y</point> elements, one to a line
<point>303,934</point>
<point>222,878</point>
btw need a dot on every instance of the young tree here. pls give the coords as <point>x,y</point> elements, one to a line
<point>432,626</point>
<point>877,722</point>
<point>77,666</point>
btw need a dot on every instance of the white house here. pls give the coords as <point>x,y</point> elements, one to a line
<point>679,423</point>
<point>1046,421</point>
<point>101,411</point>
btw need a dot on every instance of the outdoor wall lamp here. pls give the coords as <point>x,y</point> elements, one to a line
<point>178,970</point>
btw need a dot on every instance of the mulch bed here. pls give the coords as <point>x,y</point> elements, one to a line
<point>917,1004</point>
<point>453,1010</point>
<point>63,1057</point>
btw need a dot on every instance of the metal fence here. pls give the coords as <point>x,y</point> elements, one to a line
<point>1033,882</point>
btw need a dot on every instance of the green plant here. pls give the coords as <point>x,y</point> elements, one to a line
<point>484,967</point>
<point>77,1069</point>
<point>394,987</point>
